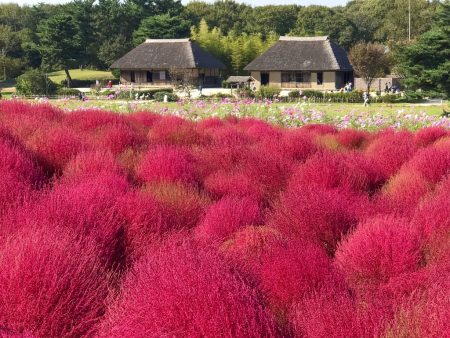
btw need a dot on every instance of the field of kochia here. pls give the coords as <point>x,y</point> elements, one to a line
<point>145,225</point>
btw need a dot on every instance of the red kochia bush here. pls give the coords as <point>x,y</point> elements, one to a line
<point>226,216</point>
<point>326,313</point>
<point>433,164</point>
<point>424,314</point>
<point>403,193</point>
<point>298,144</point>
<point>318,215</point>
<point>433,218</point>
<point>51,285</point>
<point>173,130</point>
<point>89,209</point>
<point>16,159</point>
<point>379,249</point>
<point>390,150</point>
<point>332,170</point>
<point>91,163</point>
<point>13,191</point>
<point>181,206</point>
<point>246,248</point>
<point>167,163</point>
<point>181,289</point>
<point>290,271</point>
<point>222,184</point>
<point>426,136</point>
<point>144,222</point>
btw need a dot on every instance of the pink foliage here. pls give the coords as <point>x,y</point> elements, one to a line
<point>319,215</point>
<point>229,227</point>
<point>291,271</point>
<point>379,249</point>
<point>226,216</point>
<point>185,290</point>
<point>389,150</point>
<point>52,286</point>
<point>167,163</point>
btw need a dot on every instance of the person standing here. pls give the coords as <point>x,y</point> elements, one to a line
<point>366,99</point>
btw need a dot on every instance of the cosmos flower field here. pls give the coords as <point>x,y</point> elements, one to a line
<point>144,225</point>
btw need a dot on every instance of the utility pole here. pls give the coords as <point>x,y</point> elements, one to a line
<point>409,20</point>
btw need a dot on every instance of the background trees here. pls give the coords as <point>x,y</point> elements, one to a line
<point>369,61</point>
<point>425,63</point>
<point>61,43</point>
<point>102,31</point>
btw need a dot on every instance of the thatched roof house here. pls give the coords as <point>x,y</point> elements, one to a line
<point>303,62</point>
<point>152,62</point>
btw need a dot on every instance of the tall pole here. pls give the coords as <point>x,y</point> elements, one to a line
<point>409,20</point>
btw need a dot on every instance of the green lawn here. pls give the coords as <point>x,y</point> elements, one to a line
<point>331,109</point>
<point>77,74</point>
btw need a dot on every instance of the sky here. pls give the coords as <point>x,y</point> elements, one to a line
<point>250,2</point>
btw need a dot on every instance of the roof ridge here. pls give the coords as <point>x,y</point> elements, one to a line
<point>166,40</point>
<point>303,38</point>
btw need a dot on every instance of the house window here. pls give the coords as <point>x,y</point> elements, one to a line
<point>320,78</point>
<point>162,75</point>
<point>302,77</point>
<point>132,77</point>
<point>295,79</point>
<point>149,77</point>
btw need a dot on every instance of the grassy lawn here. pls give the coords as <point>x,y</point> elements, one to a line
<point>331,109</point>
<point>77,74</point>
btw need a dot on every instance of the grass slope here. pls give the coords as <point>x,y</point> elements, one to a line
<point>78,74</point>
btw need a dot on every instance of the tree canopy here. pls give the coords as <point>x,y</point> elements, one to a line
<point>425,63</point>
<point>97,32</point>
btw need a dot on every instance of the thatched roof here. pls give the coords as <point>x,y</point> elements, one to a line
<point>239,79</point>
<point>167,53</point>
<point>302,53</point>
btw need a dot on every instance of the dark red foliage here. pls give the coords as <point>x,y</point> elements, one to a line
<point>52,286</point>
<point>222,184</point>
<point>174,130</point>
<point>291,271</point>
<point>318,215</point>
<point>379,249</point>
<point>167,163</point>
<point>182,206</point>
<point>227,216</point>
<point>88,208</point>
<point>427,136</point>
<point>433,164</point>
<point>247,247</point>
<point>91,163</point>
<point>15,159</point>
<point>349,171</point>
<point>352,138</point>
<point>176,228</point>
<point>183,289</point>
<point>298,144</point>
<point>389,150</point>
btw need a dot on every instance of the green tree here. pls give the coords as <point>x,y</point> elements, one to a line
<point>278,19</point>
<point>158,7</point>
<point>322,20</point>
<point>369,61</point>
<point>425,63</point>
<point>60,43</point>
<point>161,27</point>
<point>113,48</point>
<point>8,42</point>
<point>395,25</point>
<point>34,82</point>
